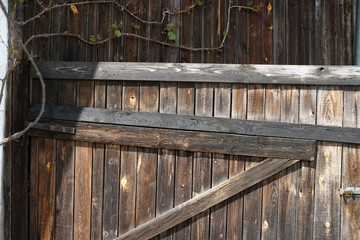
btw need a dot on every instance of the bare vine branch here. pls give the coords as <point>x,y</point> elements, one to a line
<point>19,134</point>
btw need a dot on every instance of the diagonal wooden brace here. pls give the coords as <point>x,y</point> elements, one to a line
<point>208,199</point>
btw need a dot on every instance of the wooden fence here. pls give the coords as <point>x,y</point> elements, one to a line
<point>288,32</point>
<point>106,172</point>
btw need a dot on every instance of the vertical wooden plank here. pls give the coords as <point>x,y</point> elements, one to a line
<point>34,186</point>
<point>279,31</point>
<point>184,160</point>
<point>266,14</point>
<point>47,156</point>
<point>253,196</point>
<point>306,177</point>
<point>236,165</point>
<point>169,54</point>
<point>202,161</point>
<point>130,53</point>
<point>328,167</point>
<point>350,165</point>
<point>166,158</point>
<point>254,37</point>
<point>220,164</point>
<point>271,185</point>
<point>147,160</point>
<point>111,191</point>
<point>186,32</point>
<point>112,169</point>
<point>128,165</point>
<point>209,35</point>
<point>198,33</point>
<point>142,10</point>
<point>288,191</point>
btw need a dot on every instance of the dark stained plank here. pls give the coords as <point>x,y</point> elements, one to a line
<point>306,177</point>
<point>279,31</point>
<point>47,162</point>
<point>266,14</point>
<point>288,178</point>
<point>271,185</point>
<point>166,158</point>
<point>179,72</point>
<point>202,161</point>
<point>202,124</point>
<point>186,36</point>
<point>236,165</point>
<point>34,186</point>
<point>147,160</point>
<point>350,177</point>
<point>253,196</point>
<point>65,190</point>
<point>111,191</point>
<point>184,160</point>
<point>209,198</point>
<point>180,140</point>
<point>128,165</point>
<point>328,167</point>
<point>220,164</point>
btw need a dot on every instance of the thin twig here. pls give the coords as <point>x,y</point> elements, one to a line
<point>19,134</point>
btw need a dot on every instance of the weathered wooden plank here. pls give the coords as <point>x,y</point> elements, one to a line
<point>111,191</point>
<point>199,123</point>
<point>188,141</point>
<point>236,165</point>
<point>34,187</point>
<point>166,158</point>
<point>220,164</point>
<point>209,198</point>
<point>271,185</point>
<point>147,159</point>
<point>204,95</point>
<point>225,73</point>
<point>288,178</point>
<point>64,190</point>
<point>279,34</point>
<point>253,196</point>
<point>112,169</point>
<point>328,167</point>
<point>184,160</point>
<point>186,37</point>
<point>47,162</point>
<point>128,165</point>
<point>306,177</point>
<point>350,165</point>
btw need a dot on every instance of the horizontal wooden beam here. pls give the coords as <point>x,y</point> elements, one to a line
<point>203,124</point>
<point>183,140</point>
<point>208,199</point>
<point>190,72</point>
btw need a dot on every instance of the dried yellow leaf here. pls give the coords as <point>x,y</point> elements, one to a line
<point>269,7</point>
<point>239,8</point>
<point>74,9</point>
<point>271,27</point>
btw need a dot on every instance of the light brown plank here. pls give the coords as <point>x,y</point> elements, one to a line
<point>328,167</point>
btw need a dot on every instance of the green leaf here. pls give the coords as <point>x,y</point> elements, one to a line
<point>137,27</point>
<point>92,38</point>
<point>21,1</point>
<point>172,36</point>
<point>170,27</point>
<point>199,2</point>
<point>117,33</point>
<point>115,26</point>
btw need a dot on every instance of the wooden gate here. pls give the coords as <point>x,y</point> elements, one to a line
<point>194,151</point>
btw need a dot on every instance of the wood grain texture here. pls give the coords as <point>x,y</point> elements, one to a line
<point>220,164</point>
<point>187,141</point>
<point>209,198</point>
<point>184,160</point>
<point>225,73</point>
<point>128,165</point>
<point>147,159</point>
<point>253,196</point>
<point>350,165</point>
<point>328,167</point>
<point>288,189</point>
<point>201,124</point>
<point>202,162</point>
<point>270,201</point>
<point>166,158</point>
<point>46,203</point>
<point>34,186</point>
<point>236,166</point>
